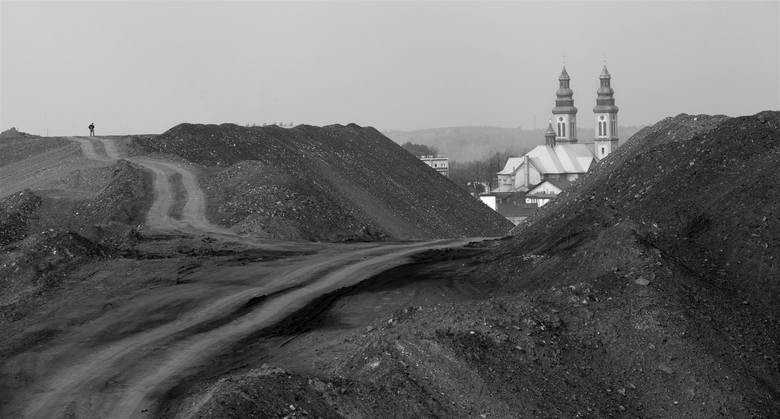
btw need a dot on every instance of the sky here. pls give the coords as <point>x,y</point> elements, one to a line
<point>143,67</point>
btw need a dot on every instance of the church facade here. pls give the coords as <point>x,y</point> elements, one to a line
<point>547,169</point>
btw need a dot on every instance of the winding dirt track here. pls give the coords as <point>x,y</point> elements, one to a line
<point>121,378</point>
<point>193,218</point>
<point>84,374</point>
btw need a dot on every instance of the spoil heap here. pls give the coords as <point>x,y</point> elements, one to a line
<point>16,145</point>
<point>654,280</point>
<point>703,190</point>
<point>650,289</point>
<point>44,237</point>
<point>323,183</point>
<point>13,133</point>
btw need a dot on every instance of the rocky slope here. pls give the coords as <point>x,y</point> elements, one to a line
<point>323,183</point>
<point>702,190</point>
<point>44,236</point>
<point>649,290</point>
<point>16,145</point>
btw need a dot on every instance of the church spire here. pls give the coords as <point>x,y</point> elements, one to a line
<point>605,102</point>
<point>564,112</point>
<point>606,131</point>
<point>549,135</point>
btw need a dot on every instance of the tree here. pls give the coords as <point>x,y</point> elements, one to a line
<point>467,174</point>
<point>420,149</point>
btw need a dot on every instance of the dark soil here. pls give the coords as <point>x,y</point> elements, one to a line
<point>43,238</point>
<point>324,183</point>
<point>648,290</point>
<point>16,146</point>
<point>703,190</point>
<point>344,395</point>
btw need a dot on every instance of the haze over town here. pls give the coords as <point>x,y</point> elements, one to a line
<point>144,67</point>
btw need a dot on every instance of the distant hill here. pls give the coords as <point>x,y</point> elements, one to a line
<point>323,183</point>
<point>476,143</point>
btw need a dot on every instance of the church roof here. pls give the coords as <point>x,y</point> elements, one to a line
<point>561,159</point>
<point>511,165</point>
<point>560,183</point>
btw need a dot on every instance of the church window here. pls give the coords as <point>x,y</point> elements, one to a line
<point>563,126</point>
<point>602,151</point>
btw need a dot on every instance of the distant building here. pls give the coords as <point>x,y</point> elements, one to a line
<point>545,191</point>
<point>441,164</point>
<point>489,200</point>
<point>512,205</point>
<point>548,169</point>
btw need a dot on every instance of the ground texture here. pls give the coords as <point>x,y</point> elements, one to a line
<point>647,290</point>
<point>330,183</point>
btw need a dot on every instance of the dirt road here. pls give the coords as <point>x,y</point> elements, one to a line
<point>119,361</point>
<point>193,217</point>
<point>85,374</point>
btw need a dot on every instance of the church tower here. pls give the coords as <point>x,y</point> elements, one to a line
<point>564,112</point>
<point>606,132</point>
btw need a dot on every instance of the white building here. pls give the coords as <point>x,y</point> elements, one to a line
<point>547,169</point>
<point>441,164</point>
<point>545,192</point>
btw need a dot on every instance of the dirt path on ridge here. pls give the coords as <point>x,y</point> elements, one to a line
<point>122,361</point>
<point>193,217</point>
<point>89,150</point>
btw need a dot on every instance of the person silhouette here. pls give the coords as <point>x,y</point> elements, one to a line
<point>92,129</point>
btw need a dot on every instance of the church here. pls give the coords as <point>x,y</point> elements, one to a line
<point>545,171</point>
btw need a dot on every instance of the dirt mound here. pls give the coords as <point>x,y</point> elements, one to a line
<point>266,392</point>
<point>37,265</point>
<point>648,290</point>
<point>703,190</point>
<point>323,183</point>
<point>15,213</point>
<point>16,146</point>
<point>43,236</point>
<point>13,133</point>
<point>123,200</point>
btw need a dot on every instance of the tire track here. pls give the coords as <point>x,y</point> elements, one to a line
<point>193,217</point>
<point>123,378</point>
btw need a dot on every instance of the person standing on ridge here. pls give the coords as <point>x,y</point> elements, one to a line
<point>91,129</point>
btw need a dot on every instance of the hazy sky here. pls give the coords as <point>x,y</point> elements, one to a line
<point>135,67</point>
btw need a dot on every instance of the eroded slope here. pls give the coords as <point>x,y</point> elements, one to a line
<point>329,183</point>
